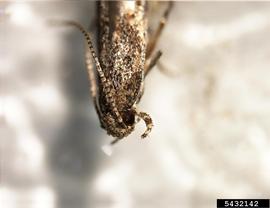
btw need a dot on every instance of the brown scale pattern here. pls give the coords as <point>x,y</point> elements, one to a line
<point>120,65</point>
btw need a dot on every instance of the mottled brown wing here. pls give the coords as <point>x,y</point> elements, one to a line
<point>125,64</point>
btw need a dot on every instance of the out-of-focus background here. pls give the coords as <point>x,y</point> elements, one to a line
<point>211,118</point>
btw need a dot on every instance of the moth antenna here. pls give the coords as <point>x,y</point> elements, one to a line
<point>106,83</point>
<point>91,48</point>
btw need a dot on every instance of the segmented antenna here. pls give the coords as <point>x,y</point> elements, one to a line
<point>106,83</point>
<point>91,47</point>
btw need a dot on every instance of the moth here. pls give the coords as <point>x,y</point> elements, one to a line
<point>124,57</point>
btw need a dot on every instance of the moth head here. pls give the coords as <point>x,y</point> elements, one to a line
<point>119,129</point>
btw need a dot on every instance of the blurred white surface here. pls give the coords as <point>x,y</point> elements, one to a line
<point>211,121</point>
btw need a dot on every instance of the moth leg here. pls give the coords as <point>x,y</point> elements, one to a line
<point>148,121</point>
<point>153,41</point>
<point>153,61</point>
<point>114,141</point>
<point>148,66</point>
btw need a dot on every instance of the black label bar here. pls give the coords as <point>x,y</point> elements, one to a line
<point>243,203</point>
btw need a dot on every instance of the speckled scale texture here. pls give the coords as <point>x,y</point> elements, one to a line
<point>123,49</point>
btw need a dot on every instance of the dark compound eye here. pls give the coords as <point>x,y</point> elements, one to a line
<point>128,117</point>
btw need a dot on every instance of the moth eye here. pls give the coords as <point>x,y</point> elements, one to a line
<point>128,117</point>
